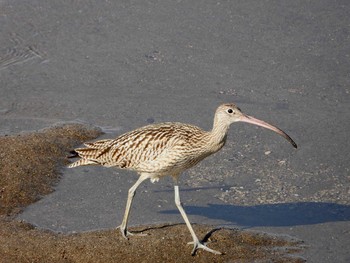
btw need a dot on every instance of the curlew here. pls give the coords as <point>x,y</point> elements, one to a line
<point>162,149</point>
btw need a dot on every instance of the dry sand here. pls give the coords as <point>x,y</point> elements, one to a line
<point>30,167</point>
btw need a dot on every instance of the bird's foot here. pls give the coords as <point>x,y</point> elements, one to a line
<point>197,245</point>
<point>126,233</point>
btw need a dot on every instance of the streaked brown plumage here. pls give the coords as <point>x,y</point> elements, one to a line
<point>160,149</point>
<point>163,149</point>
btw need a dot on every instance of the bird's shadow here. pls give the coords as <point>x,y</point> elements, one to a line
<point>274,215</point>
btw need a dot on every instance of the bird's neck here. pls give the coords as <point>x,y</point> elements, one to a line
<point>219,132</point>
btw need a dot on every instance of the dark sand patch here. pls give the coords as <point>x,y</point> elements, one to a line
<point>162,244</point>
<point>30,167</point>
<point>29,163</point>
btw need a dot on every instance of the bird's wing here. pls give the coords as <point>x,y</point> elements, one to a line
<point>169,150</point>
<point>155,148</point>
<point>141,146</point>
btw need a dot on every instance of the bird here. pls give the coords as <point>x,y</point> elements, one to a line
<point>166,149</point>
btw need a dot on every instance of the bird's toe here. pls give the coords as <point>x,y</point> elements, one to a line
<point>199,245</point>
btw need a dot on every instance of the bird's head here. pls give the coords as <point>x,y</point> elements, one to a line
<point>226,114</point>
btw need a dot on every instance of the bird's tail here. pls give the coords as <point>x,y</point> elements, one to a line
<point>91,154</point>
<point>87,155</point>
<point>81,162</point>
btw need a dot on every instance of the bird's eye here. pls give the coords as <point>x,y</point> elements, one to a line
<point>230,111</point>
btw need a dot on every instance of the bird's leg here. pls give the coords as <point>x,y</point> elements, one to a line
<point>196,243</point>
<point>131,194</point>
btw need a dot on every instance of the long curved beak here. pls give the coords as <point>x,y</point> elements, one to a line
<point>252,120</point>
